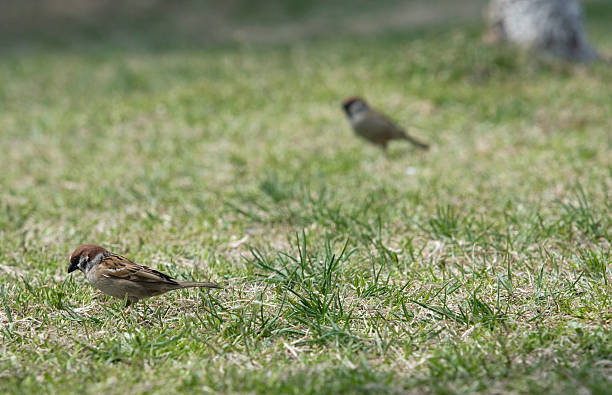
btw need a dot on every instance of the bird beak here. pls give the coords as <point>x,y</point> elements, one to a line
<point>73,267</point>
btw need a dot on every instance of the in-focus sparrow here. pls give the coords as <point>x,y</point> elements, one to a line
<point>373,126</point>
<point>119,277</point>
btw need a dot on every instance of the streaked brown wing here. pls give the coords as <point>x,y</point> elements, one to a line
<point>119,267</point>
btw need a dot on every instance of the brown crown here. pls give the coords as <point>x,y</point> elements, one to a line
<point>91,250</point>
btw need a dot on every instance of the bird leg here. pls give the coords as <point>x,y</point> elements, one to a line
<point>384,148</point>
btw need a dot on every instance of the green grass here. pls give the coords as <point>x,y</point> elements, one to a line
<point>487,270</point>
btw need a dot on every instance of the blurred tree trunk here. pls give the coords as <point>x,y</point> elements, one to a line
<point>553,27</point>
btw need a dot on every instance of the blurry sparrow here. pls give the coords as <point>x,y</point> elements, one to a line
<point>119,277</point>
<point>374,126</point>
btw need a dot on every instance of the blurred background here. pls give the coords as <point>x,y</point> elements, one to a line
<point>185,23</point>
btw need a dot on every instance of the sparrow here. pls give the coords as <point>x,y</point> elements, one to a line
<point>373,126</point>
<point>121,278</point>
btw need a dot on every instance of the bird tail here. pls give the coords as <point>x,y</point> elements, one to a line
<point>416,142</point>
<point>195,284</point>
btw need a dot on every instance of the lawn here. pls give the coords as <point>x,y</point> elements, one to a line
<point>481,265</point>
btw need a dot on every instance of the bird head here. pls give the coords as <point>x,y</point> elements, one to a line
<point>85,256</point>
<point>354,105</point>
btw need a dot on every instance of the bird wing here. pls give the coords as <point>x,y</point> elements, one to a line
<point>379,128</point>
<point>376,126</point>
<point>119,267</point>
